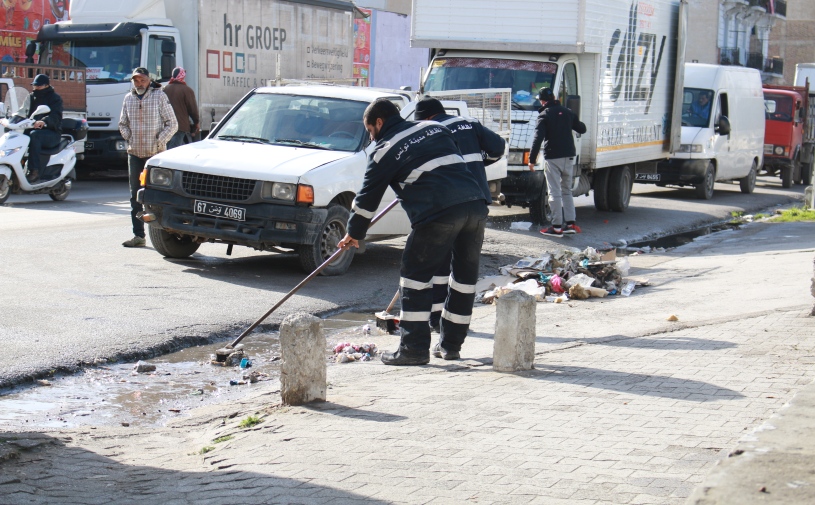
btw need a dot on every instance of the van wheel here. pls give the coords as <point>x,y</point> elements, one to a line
<point>601,176</point>
<point>786,176</point>
<point>806,174</point>
<point>325,244</point>
<point>5,189</point>
<point>619,188</point>
<point>704,190</point>
<point>540,212</point>
<point>170,245</point>
<point>748,182</point>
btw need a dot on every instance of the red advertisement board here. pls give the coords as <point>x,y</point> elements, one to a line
<point>20,20</point>
<point>362,49</point>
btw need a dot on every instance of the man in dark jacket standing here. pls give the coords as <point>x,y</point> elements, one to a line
<point>47,127</point>
<point>554,131</point>
<point>182,98</point>
<point>447,210</point>
<point>477,145</point>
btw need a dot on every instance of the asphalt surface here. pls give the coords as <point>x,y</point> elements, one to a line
<point>73,295</point>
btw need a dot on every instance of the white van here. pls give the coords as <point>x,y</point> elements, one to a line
<point>722,130</point>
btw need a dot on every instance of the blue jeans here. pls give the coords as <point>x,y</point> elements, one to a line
<point>179,139</point>
<point>456,232</point>
<point>134,167</point>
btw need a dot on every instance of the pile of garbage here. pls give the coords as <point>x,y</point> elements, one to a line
<point>346,352</point>
<point>562,276</point>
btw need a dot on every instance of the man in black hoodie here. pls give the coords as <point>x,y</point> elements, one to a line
<point>47,127</point>
<point>554,131</point>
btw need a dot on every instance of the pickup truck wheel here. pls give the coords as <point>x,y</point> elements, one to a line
<point>619,188</point>
<point>5,189</point>
<point>601,176</point>
<point>786,176</point>
<point>748,182</point>
<point>333,230</point>
<point>172,246</point>
<point>806,175</point>
<point>539,210</point>
<point>704,190</point>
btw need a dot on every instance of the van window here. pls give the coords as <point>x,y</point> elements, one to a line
<point>696,106</point>
<point>721,107</point>
<point>524,77</point>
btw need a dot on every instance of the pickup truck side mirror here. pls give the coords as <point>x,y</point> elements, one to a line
<point>722,126</point>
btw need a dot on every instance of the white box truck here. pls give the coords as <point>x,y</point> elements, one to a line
<point>617,63</point>
<point>227,47</point>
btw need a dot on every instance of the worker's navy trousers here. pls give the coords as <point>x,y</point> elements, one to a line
<point>457,231</point>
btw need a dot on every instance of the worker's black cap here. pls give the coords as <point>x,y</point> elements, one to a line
<point>41,80</point>
<point>428,107</point>
<point>140,71</point>
<point>545,94</point>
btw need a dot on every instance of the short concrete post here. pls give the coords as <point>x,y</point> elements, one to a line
<point>514,347</point>
<point>303,369</point>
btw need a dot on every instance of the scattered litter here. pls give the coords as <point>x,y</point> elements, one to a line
<point>366,330</point>
<point>520,225</point>
<point>563,276</point>
<point>672,317</point>
<point>347,352</point>
<point>177,411</point>
<point>245,363</point>
<point>144,367</point>
<point>43,382</point>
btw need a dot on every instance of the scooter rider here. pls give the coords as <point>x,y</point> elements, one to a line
<point>47,127</point>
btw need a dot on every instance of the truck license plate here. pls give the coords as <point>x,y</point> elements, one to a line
<point>647,177</point>
<point>219,210</point>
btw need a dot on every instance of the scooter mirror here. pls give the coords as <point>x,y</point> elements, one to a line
<point>42,109</point>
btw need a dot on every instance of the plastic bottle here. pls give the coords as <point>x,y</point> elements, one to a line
<point>628,288</point>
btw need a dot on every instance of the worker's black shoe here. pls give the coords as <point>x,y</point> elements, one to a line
<point>401,358</point>
<point>441,352</point>
<point>33,176</point>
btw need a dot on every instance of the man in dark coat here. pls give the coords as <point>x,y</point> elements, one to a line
<point>478,146</point>
<point>182,98</point>
<point>554,131</point>
<point>447,210</point>
<point>47,129</point>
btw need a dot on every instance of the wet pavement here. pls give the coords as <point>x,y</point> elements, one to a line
<point>115,394</point>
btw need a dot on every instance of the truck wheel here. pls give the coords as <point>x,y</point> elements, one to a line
<point>61,193</point>
<point>748,182</point>
<point>333,230</point>
<point>170,245</point>
<point>704,190</point>
<point>786,176</point>
<point>619,188</point>
<point>540,212</point>
<point>796,170</point>
<point>806,175</point>
<point>601,176</point>
<point>5,189</point>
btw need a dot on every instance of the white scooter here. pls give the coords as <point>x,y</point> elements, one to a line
<point>58,174</point>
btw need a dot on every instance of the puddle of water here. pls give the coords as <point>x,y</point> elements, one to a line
<point>679,239</point>
<point>115,394</point>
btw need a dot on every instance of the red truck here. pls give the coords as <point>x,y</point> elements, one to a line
<point>788,134</point>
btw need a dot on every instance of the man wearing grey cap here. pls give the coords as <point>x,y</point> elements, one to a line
<point>147,123</point>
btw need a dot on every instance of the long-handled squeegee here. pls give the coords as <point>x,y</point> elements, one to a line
<point>223,353</point>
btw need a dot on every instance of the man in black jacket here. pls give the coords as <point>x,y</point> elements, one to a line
<point>477,145</point>
<point>47,127</point>
<point>554,131</point>
<point>447,210</point>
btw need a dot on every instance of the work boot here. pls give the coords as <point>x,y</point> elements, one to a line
<point>135,242</point>
<point>441,352</point>
<point>401,358</point>
<point>33,176</point>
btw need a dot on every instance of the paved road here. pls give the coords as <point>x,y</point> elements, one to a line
<point>73,294</point>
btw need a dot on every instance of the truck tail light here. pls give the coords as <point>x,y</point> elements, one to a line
<point>305,194</point>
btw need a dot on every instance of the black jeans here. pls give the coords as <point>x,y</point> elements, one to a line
<point>456,231</point>
<point>134,167</point>
<point>39,140</point>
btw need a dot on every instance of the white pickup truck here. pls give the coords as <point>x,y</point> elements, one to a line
<point>278,173</point>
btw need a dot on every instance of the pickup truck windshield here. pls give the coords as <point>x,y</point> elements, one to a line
<point>111,62</point>
<point>778,108</point>
<point>297,120</point>
<point>524,77</point>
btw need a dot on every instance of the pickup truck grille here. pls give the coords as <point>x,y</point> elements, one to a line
<point>217,186</point>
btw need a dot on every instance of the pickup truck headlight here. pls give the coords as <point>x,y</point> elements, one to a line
<point>161,176</point>
<point>518,158</point>
<point>278,191</point>
<point>690,148</point>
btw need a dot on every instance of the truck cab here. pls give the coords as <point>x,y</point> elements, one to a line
<point>785,121</point>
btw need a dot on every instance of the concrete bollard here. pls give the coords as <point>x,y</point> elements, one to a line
<point>514,346</point>
<point>303,369</point>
